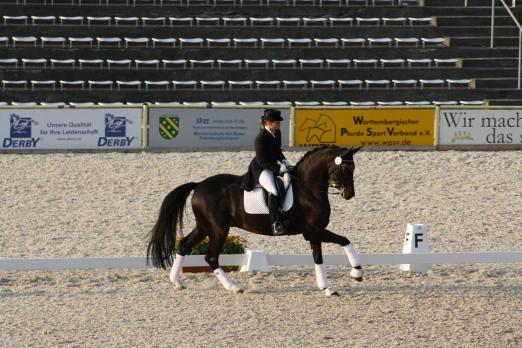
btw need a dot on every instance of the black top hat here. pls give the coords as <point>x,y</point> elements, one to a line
<point>272,115</point>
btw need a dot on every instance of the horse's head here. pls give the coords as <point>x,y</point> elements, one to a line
<point>340,172</point>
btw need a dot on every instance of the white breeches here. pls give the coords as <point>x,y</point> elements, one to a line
<point>266,179</point>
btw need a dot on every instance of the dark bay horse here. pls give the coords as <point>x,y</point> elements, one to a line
<point>217,204</point>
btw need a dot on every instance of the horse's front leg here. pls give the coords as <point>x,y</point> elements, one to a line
<point>320,274</point>
<point>215,246</point>
<point>353,257</point>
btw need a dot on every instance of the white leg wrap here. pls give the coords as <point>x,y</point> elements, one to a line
<point>176,268</point>
<point>353,257</point>
<point>224,279</point>
<point>320,276</point>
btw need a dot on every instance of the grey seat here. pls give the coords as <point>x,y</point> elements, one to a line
<point>96,62</point>
<point>285,62</point>
<point>349,83</point>
<point>431,82</point>
<point>24,40</point>
<point>133,83</point>
<point>43,83</point>
<point>100,83</point>
<point>9,62</point>
<point>34,61</point>
<point>303,84</point>
<point>15,19</point>
<point>147,63</point>
<point>72,83</point>
<point>240,84</point>
<point>362,103</point>
<point>236,63</point>
<point>46,19</point>
<point>126,20</point>
<point>169,41</point>
<point>71,19</point>
<point>136,41</point>
<point>322,83</point>
<point>212,84</point>
<point>188,83</point>
<point>14,83</point>
<point>108,40</point>
<point>342,62</point>
<point>162,83</point>
<point>119,63</point>
<point>268,83</point>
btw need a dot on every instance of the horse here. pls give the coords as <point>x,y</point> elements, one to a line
<point>217,204</point>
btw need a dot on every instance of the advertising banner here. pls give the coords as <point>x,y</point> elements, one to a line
<point>51,129</point>
<point>198,128</point>
<point>480,126</point>
<point>365,127</point>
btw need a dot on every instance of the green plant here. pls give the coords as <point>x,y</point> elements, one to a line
<point>233,245</point>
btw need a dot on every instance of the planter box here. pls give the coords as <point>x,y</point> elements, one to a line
<point>199,269</point>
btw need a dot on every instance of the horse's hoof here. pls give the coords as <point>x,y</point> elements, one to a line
<point>357,274</point>
<point>330,292</point>
<point>237,290</point>
<point>178,285</point>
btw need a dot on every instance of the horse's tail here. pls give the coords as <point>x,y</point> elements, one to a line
<point>162,241</point>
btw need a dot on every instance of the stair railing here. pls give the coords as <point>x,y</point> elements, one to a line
<point>519,34</point>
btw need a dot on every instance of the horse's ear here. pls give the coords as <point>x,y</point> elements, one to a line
<point>352,151</point>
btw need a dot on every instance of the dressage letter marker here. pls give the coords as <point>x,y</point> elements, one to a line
<point>416,242</point>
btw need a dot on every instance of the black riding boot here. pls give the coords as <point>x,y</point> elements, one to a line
<point>273,208</point>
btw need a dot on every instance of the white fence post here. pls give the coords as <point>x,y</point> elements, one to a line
<point>416,242</point>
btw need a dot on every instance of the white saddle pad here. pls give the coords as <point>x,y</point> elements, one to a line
<point>254,201</point>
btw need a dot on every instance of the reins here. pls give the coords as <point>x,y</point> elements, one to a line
<point>320,187</point>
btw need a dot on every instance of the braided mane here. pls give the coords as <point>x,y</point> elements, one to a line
<point>317,149</point>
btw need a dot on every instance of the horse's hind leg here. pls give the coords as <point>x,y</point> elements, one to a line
<point>215,246</point>
<point>353,257</point>
<point>320,274</point>
<point>185,247</point>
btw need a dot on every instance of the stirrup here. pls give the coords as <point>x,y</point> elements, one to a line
<point>278,229</point>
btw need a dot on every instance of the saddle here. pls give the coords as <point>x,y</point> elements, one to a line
<point>255,201</point>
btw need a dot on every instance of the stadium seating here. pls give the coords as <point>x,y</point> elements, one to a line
<point>320,52</point>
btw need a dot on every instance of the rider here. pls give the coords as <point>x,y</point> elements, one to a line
<point>264,166</point>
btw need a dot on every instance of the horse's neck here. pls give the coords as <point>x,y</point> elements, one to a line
<point>314,172</point>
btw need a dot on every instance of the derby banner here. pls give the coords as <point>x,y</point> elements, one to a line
<point>365,127</point>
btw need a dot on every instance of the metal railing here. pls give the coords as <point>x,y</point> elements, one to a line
<point>519,34</point>
<point>513,3</point>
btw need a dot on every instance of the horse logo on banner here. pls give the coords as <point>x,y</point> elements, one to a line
<point>116,126</point>
<point>20,126</point>
<point>168,127</point>
<point>322,129</point>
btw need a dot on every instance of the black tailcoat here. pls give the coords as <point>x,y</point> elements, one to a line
<point>268,152</point>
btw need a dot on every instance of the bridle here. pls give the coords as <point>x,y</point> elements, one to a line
<point>337,170</point>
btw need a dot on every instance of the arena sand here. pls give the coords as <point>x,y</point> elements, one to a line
<point>83,205</point>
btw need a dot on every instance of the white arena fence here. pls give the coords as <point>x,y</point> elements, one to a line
<point>272,260</point>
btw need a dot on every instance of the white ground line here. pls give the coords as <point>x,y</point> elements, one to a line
<point>226,260</point>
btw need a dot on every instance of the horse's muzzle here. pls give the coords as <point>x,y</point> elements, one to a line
<point>347,192</point>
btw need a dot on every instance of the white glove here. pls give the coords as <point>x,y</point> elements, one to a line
<point>285,166</point>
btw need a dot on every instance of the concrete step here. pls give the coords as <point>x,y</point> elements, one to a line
<point>244,32</point>
<point>257,74</point>
<point>250,53</point>
<point>490,62</point>
<point>456,9</point>
<point>275,95</point>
